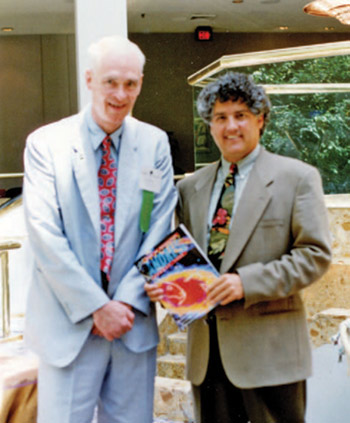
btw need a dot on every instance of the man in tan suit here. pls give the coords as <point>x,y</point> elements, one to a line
<point>249,359</point>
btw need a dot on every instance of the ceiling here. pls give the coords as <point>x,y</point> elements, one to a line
<point>147,16</point>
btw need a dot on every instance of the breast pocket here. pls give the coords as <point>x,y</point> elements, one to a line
<point>270,239</point>
<point>270,223</point>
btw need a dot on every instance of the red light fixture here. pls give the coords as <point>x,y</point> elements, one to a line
<point>203,33</point>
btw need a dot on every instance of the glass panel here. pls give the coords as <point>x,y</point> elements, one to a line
<point>310,117</point>
<point>333,69</point>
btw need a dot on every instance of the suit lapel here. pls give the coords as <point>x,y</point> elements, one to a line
<point>199,204</point>
<point>84,167</point>
<point>252,205</point>
<point>128,176</point>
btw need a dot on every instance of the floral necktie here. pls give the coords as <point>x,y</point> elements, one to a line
<point>107,179</point>
<point>221,222</point>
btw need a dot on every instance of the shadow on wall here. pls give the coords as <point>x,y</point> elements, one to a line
<point>11,192</point>
<point>175,153</point>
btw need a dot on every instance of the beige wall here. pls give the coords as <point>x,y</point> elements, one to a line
<point>37,85</point>
<point>38,82</point>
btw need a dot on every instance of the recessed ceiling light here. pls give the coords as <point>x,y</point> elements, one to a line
<point>329,28</point>
<point>7,29</point>
<point>283,28</point>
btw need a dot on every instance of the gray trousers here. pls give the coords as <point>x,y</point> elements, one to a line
<point>105,374</point>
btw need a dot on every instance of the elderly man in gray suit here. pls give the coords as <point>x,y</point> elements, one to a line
<point>98,194</point>
<point>263,221</point>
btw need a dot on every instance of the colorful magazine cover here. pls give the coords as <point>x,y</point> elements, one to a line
<point>184,272</point>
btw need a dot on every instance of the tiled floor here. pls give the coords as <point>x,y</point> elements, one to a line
<point>154,421</point>
<point>163,421</point>
<point>329,388</point>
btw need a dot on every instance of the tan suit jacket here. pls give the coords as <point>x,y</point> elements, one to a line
<point>279,243</point>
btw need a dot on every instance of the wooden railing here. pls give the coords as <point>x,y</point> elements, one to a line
<point>4,249</point>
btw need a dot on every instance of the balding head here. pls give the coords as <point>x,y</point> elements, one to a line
<point>114,45</point>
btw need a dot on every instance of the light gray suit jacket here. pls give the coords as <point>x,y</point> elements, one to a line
<point>279,243</point>
<point>62,212</point>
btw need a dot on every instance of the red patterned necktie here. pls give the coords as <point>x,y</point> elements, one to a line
<point>107,179</point>
<point>220,229</point>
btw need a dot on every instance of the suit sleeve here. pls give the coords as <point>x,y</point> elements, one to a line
<point>309,254</point>
<point>131,288</point>
<point>73,287</point>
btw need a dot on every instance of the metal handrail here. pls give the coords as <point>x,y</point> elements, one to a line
<point>4,249</point>
<point>11,175</point>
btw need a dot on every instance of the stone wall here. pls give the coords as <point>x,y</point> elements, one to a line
<point>327,301</point>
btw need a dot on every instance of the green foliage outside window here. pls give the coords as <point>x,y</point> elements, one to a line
<point>316,129</point>
<point>324,70</point>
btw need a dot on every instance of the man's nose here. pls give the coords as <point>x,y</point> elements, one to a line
<point>120,93</point>
<point>231,123</point>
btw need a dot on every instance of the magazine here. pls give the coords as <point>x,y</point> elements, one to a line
<point>184,272</point>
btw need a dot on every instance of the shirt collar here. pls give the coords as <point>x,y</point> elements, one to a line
<point>96,134</point>
<point>244,164</point>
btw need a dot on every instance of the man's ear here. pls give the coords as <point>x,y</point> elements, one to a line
<point>261,121</point>
<point>88,78</point>
<point>140,82</point>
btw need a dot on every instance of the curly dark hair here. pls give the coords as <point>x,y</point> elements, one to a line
<point>234,86</point>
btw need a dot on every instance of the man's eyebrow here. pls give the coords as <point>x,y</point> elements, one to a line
<point>107,78</point>
<point>117,77</point>
<point>220,113</point>
<point>236,111</point>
